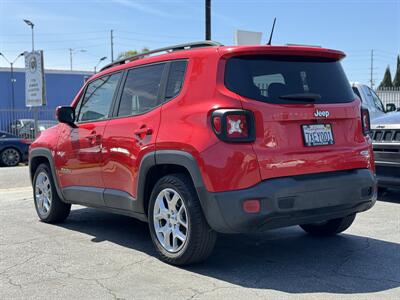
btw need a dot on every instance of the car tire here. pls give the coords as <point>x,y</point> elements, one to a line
<point>173,204</point>
<point>10,157</point>
<point>49,207</point>
<point>330,227</point>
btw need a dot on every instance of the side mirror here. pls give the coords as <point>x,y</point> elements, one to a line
<point>390,107</point>
<point>66,114</point>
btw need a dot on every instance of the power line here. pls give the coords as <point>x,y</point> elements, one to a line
<point>155,35</point>
<point>53,33</point>
<point>372,69</point>
<point>112,46</point>
<point>58,41</point>
<point>136,40</point>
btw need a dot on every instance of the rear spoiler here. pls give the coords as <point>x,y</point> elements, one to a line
<point>281,50</point>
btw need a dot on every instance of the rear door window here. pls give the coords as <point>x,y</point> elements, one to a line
<point>288,79</point>
<point>141,90</point>
<point>175,79</point>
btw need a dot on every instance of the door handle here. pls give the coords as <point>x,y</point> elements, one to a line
<point>91,134</point>
<point>143,131</point>
<point>93,138</point>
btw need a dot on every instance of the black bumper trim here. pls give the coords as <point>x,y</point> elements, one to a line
<point>291,201</point>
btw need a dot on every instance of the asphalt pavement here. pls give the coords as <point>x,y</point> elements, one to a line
<point>15,177</point>
<point>97,255</point>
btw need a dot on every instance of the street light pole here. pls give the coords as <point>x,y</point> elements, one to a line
<point>33,39</point>
<point>70,58</point>
<point>71,52</point>
<point>29,23</point>
<point>13,80</point>
<point>35,109</point>
<point>12,90</point>
<point>100,60</point>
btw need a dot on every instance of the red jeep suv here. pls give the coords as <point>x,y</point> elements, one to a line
<point>203,138</point>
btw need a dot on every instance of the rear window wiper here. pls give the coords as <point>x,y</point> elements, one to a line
<point>301,97</point>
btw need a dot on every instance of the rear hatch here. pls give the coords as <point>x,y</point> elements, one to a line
<point>307,117</point>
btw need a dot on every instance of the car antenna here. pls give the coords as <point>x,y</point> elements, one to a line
<point>272,32</point>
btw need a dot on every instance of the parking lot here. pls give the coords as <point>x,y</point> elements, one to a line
<point>96,255</point>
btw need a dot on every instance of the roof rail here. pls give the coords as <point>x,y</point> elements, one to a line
<point>165,49</point>
<point>304,45</point>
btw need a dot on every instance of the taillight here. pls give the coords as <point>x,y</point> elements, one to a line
<point>233,125</point>
<point>366,121</point>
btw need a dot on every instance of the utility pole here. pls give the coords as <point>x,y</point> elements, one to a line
<point>208,20</point>
<point>112,45</point>
<point>372,70</point>
<point>70,58</point>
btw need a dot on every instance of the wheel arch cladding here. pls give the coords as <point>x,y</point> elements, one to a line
<point>38,156</point>
<point>159,163</point>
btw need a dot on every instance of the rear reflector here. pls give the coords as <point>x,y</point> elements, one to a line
<point>217,124</point>
<point>251,206</point>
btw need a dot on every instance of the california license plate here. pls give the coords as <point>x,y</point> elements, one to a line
<point>317,135</point>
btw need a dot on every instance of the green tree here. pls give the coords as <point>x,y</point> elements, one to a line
<point>128,53</point>
<point>396,80</point>
<point>387,80</point>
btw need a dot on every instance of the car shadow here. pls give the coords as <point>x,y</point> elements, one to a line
<point>286,260</point>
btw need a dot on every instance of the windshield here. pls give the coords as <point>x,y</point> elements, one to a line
<point>288,79</point>
<point>377,101</point>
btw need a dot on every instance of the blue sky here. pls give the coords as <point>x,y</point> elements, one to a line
<point>355,27</point>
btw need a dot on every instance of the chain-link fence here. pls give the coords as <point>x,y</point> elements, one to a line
<point>21,122</point>
<point>389,95</point>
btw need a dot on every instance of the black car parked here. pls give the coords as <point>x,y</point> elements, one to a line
<point>13,149</point>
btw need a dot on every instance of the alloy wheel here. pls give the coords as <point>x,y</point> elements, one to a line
<point>170,220</point>
<point>10,157</point>
<point>43,195</point>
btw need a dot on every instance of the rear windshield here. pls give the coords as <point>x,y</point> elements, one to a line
<point>288,79</point>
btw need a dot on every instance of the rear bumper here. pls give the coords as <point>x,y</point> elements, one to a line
<point>291,201</point>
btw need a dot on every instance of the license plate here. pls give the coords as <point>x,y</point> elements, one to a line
<point>317,135</point>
